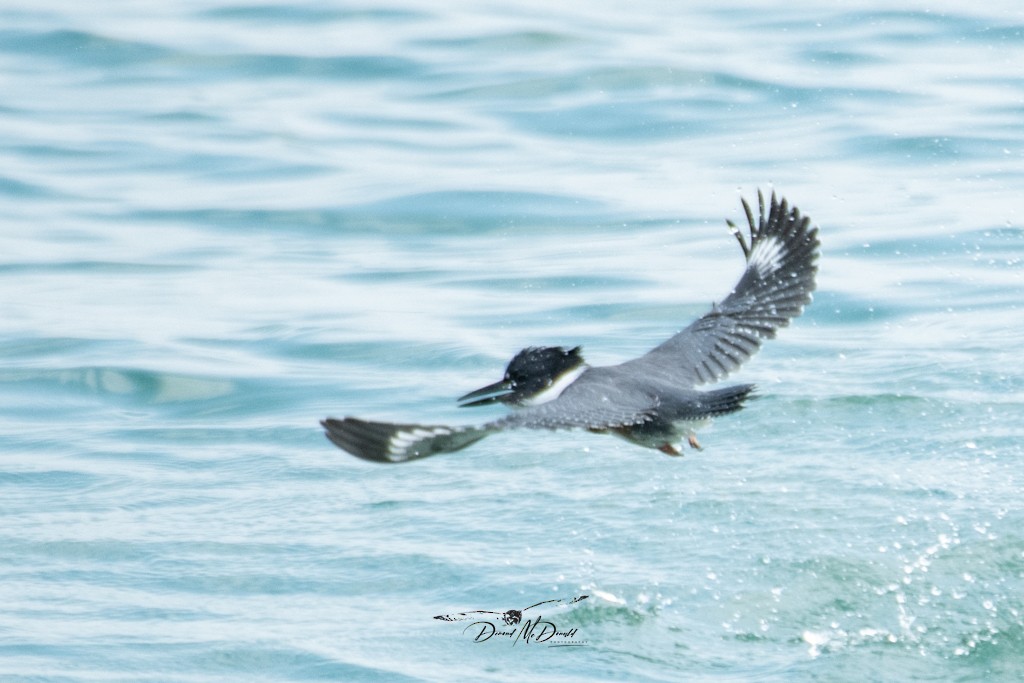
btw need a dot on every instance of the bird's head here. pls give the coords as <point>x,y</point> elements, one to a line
<point>533,372</point>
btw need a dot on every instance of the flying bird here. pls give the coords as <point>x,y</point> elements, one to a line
<point>652,400</point>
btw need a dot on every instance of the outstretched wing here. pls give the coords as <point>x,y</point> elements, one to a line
<point>583,405</point>
<point>776,285</point>
<point>389,442</point>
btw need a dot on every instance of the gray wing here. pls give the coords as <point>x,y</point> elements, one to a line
<point>390,442</point>
<point>583,405</point>
<point>776,285</point>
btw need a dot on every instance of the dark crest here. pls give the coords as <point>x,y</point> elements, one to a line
<point>540,365</point>
<point>529,372</point>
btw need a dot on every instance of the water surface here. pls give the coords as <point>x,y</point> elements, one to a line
<point>222,222</point>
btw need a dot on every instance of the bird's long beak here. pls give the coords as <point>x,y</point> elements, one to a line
<point>492,393</point>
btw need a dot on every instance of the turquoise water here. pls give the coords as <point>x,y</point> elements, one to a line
<point>221,222</point>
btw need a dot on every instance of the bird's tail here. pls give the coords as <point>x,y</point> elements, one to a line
<point>389,442</point>
<point>724,401</point>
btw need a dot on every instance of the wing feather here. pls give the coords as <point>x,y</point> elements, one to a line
<point>391,442</point>
<point>774,288</point>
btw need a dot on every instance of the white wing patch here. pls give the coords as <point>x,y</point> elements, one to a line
<point>402,440</point>
<point>768,255</point>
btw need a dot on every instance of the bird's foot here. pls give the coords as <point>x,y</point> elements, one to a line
<point>692,440</point>
<point>669,449</point>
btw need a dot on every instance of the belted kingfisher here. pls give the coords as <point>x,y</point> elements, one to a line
<point>651,400</point>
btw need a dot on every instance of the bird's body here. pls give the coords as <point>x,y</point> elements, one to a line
<point>651,400</point>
